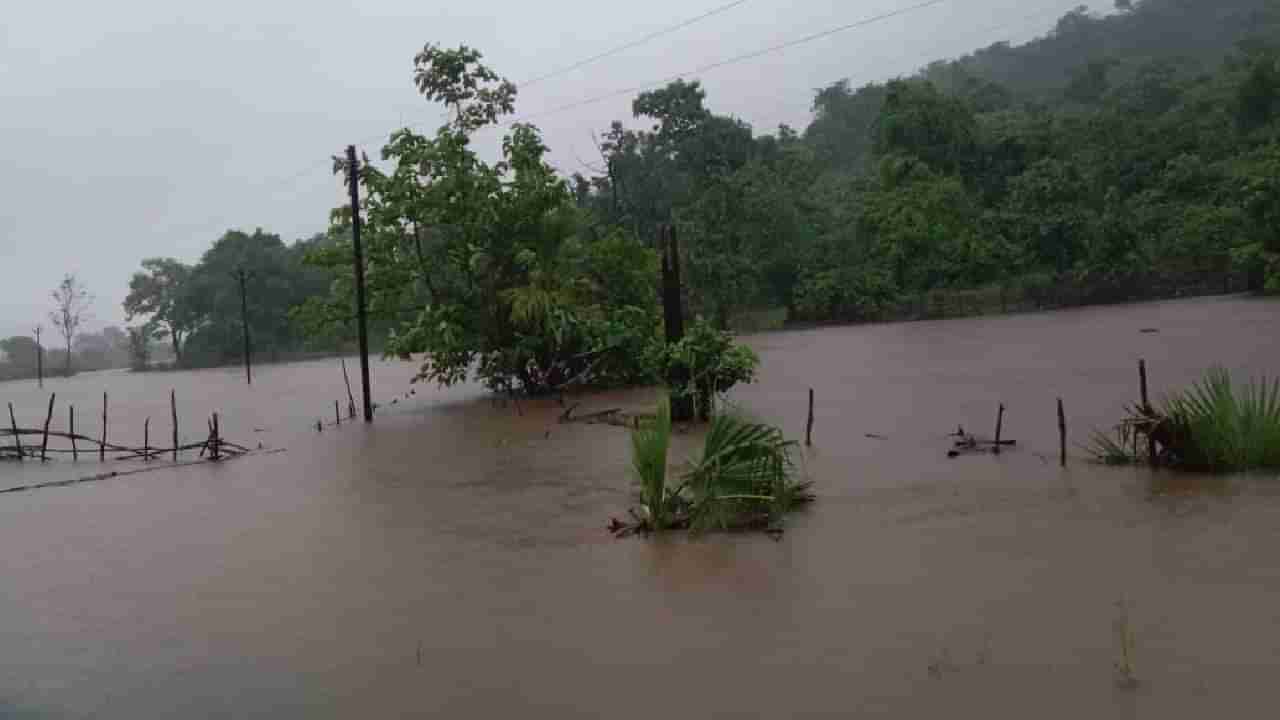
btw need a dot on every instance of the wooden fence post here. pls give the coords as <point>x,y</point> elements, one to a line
<point>1149,412</point>
<point>173,408</point>
<point>102,449</point>
<point>1062,435</point>
<point>17,439</point>
<point>808,428</point>
<point>999,427</point>
<point>44,443</point>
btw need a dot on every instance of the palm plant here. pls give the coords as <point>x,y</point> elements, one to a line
<point>1214,426</point>
<point>744,476</point>
<point>649,444</point>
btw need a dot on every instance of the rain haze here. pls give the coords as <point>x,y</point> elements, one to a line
<point>144,128</point>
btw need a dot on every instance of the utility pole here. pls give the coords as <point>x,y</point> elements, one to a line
<point>353,179</point>
<point>682,405</point>
<point>244,322</point>
<point>39,358</point>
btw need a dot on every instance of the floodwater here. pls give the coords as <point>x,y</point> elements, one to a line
<point>451,560</point>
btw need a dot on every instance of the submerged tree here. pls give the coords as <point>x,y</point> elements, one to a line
<point>162,291</point>
<point>71,302</point>
<point>489,256</point>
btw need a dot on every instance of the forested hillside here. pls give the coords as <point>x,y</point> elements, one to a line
<point>1128,156</point>
<point>1122,156</point>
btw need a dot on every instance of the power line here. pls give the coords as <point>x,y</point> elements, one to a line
<point>600,56</point>
<point>633,44</point>
<point>291,180</point>
<point>735,59</point>
<point>1020,22</point>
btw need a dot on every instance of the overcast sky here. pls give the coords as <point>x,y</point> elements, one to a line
<point>139,128</point>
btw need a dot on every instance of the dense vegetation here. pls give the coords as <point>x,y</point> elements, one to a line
<point>90,351</point>
<point>197,309</point>
<point>744,478</point>
<point>1215,425</point>
<point>1120,156</point>
<point>506,278</point>
<point>1130,155</point>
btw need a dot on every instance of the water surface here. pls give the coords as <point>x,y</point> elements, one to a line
<point>451,560</point>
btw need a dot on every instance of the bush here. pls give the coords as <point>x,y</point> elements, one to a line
<point>714,363</point>
<point>744,478</point>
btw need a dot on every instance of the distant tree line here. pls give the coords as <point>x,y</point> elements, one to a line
<point>1117,157</point>
<point>195,310</point>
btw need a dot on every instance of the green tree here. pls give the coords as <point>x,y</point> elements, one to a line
<point>162,292</point>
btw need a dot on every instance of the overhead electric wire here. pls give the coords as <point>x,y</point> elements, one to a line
<point>291,180</point>
<point>633,44</point>
<point>702,69</point>
<point>737,59</point>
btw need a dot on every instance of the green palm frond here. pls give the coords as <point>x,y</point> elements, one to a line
<point>649,445</point>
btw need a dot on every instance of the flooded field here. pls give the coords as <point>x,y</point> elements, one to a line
<point>451,560</point>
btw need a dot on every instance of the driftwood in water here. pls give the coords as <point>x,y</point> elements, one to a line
<point>972,445</point>
<point>613,416</point>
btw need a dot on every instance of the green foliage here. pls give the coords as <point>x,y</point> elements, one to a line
<point>649,446</point>
<point>744,477</point>
<point>1116,157</point>
<point>714,363</point>
<point>163,292</point>
<point>140,348</point>
<point>1215,425</point>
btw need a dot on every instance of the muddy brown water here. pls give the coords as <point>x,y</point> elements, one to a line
<point>451,559</point>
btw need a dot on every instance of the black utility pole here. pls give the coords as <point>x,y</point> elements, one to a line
<point>682,409</point>
<point>39,358</point>
<point>353,179</point>
<point>244,322</point>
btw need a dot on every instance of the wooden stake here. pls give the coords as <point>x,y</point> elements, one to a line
<point>146,439</point>
<point>808,428</point>
<point>214,441</point>
<point>173,408</point>
<point>1149,412</point>
<point>1062,434</point>
<point>17,440</point>
<point>75,454</point>
<point>102,449</point>
<point>999,427</point>
<point>1142,380</point>
<point>351,399</point>
<point>44,443</point>
<point>337,419</point>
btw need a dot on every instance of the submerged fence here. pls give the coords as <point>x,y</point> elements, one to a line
<point>14,444</point>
